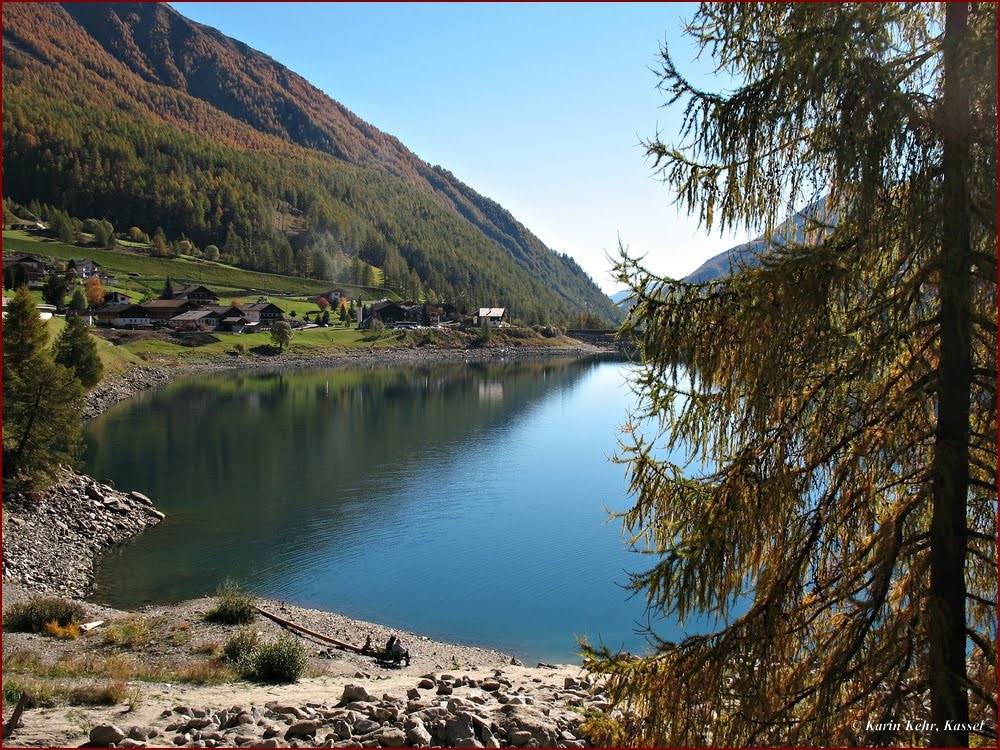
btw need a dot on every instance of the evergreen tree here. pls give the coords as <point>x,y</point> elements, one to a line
<point>56,287</point>
<point>62,226</point>
<point>42,401</point>
<point>76,349</point>
<point>840,397</point>
<point>78,301</point>
<point>24,333</point>
<point>15,276</point>
<point>42,421</point>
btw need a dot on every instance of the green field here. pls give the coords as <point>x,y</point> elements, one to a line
<point>151,273</point>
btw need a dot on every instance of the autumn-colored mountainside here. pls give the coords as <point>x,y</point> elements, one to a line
<point>132,113</point>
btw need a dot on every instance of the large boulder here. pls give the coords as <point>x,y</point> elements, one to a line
<point>528,719</point>
<point>105,735</point>
<point>354,693</point>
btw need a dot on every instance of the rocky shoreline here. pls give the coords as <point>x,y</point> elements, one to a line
<point>120,388</point>
<point>50,543</point>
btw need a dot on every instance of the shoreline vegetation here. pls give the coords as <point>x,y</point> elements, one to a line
<point>165,682</point>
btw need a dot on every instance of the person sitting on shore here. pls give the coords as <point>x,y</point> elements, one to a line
<point>390,643</point>
<point>367,648</point>
<point>398,653</point>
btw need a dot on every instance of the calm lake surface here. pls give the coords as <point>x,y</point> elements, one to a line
<point>463,502</point>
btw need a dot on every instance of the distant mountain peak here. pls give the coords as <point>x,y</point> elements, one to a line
<point>748,254</point>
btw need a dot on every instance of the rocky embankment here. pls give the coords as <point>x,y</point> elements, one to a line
<point>438,710</point>
<point>112,390</point>
<point>50,543</point>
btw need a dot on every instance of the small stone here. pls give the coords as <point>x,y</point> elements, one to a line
<point>301,729</point>
<point>417,734</point>
<point>519,739</point>
<point>391,737</point>
<point>142,733</point>
<point>364,726</point>
<point>489,739</point>
<point>458,728</point>
<point>342,729</point>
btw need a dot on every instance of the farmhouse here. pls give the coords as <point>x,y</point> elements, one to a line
<point>265,314</point>
<point>491,316</point>
<point>24,268</point>
<point>124,316</point>
<point>165,309</point>
<point>196,293</point>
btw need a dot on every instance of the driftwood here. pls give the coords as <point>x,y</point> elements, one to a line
<point>312,633</point>
<point>15,718</point>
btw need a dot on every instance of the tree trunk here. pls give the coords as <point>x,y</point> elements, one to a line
<point>950,467</point>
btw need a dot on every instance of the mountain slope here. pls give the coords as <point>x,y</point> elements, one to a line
<point>132,112</point>
<point>746,255</point>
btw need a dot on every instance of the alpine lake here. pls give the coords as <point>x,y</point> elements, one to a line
<point>467,502</point>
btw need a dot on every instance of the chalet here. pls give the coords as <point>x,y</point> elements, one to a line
<point>85,268</point>
<point>236,324</point>
<point>491,316</point>
<point>195,320</point>
<point>391,313</point>
<point>87,316</point>
<point>441,313</point>
<point>232,319</point>
<point>165,309</point>
<point>28,269</point>
<point>265,314</point>
<point>116,298</point>
<point>196,293</point>
<point>124,316</point>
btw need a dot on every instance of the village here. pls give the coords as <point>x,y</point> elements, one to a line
<point>196,307</point>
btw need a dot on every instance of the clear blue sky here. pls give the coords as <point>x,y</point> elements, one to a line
<point>541,107</point>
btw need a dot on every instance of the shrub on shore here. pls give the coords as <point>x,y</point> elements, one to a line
<point>66,632</point>
<point>130,633</point>
<point>233,606</point>
<point>279,661</point>
<point>240,647</point>
<point>34,615</point>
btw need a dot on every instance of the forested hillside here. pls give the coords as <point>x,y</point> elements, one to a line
<point>134,114</point>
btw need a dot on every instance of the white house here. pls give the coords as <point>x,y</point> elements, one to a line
<point>493,316</point>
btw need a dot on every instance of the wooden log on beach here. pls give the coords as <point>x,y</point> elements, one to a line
<point>14,722</point>
<point>312,633</point>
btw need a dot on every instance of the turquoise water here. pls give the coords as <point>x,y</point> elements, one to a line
<point>464,502</point>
